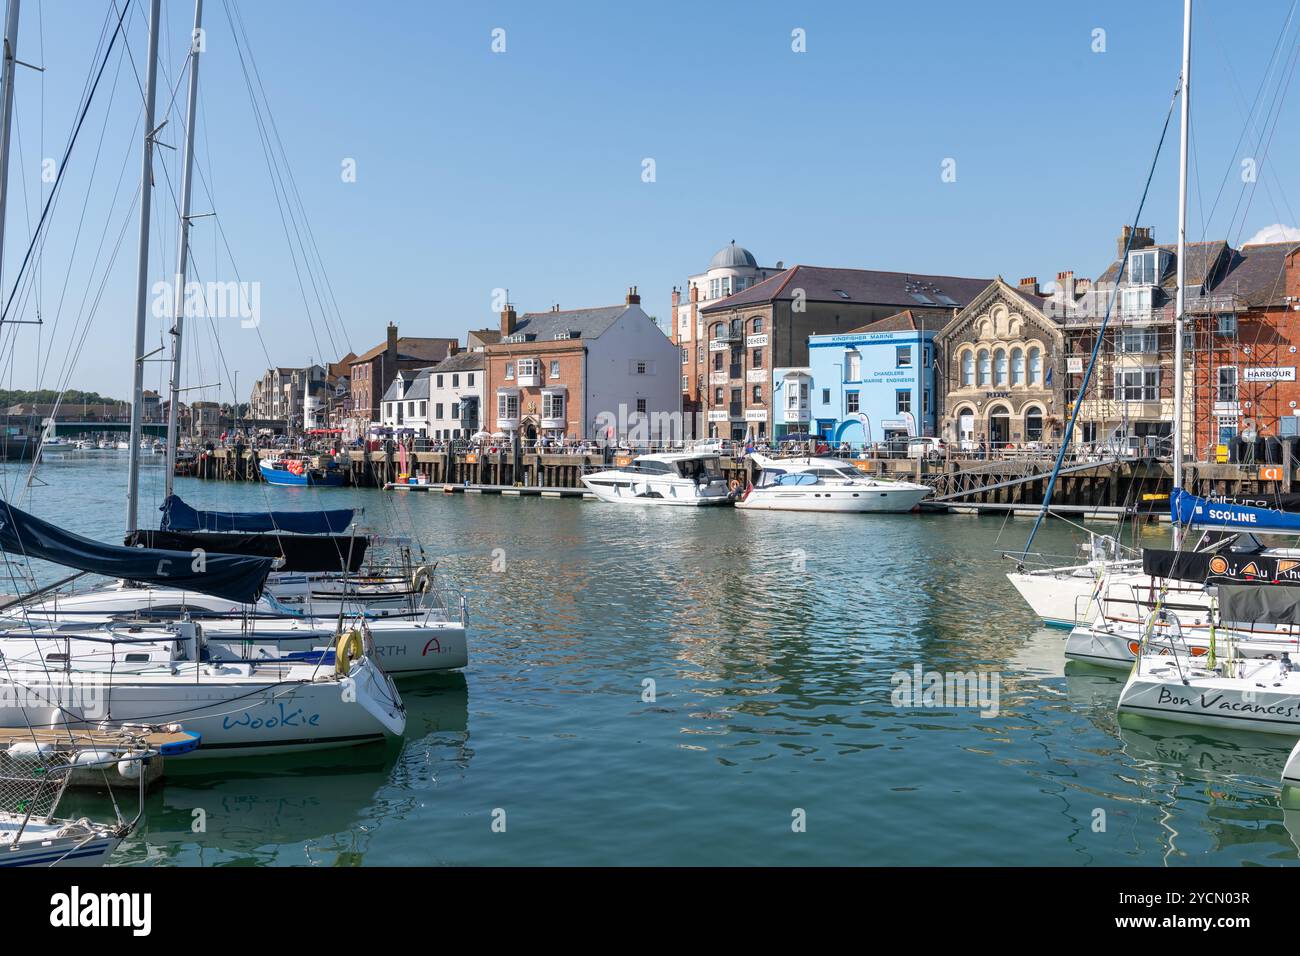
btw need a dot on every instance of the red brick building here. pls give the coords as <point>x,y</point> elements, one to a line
<point>372,373</point>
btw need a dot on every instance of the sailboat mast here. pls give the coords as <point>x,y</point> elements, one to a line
<point>183,243</point>
<point>1180,297</point>
<point>142,275</point>
<point>6,118</point>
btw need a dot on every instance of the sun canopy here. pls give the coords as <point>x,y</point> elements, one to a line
<point>229,576</point>
<point>178,516</point>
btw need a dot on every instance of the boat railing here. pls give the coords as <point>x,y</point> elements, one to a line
<point>32,782</point>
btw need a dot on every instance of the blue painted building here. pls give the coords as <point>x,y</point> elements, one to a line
<point>864,386</point>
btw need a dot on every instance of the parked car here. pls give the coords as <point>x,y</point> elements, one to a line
<point>715,446</point>
<point>929,447</point>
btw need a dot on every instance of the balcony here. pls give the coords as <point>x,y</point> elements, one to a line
<point>528,379</point>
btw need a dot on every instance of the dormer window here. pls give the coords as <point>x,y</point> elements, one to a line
<point>1146,266</point>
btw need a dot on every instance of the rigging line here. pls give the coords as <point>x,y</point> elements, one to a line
<point>63,165</point>
<point>1277,115</point>
<point>1259,92</point>
<point>1101,331</point>
<point>286,170</point>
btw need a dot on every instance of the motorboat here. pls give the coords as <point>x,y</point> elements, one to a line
<point>826,484</point>
<point>682,479</point>
<point>288,470</point>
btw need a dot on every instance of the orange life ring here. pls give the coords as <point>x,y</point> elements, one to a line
<point>734,484</point>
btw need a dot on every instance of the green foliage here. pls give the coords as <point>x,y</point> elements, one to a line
<point>47,396</point>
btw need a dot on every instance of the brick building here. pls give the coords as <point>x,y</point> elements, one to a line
<point>372,372</point>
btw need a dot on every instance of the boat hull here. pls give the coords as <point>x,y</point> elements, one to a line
<point>1258,702</point>
<point>276,476</point>
<point>860,500</point>
<point>651,492</point>
<point>57,851</point>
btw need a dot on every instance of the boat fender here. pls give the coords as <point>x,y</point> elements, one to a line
<point>347,651</point>
<point>94,758</point>
<point>421,580</point>
<point>129,768</point>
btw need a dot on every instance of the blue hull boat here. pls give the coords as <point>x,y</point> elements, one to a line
<point>278,473</point>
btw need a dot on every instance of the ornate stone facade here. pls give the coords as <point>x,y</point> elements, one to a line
<point>1001,366</point>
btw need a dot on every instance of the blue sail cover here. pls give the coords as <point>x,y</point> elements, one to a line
<point>178,516</point>
<point>1193,511</point>
<point>229,576</point>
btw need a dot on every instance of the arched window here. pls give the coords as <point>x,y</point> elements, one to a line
<point>967,368</point>
<point>1035,366</point>
<point>1000,367</point>
<point>756,326</point>
<point>1033,423</point>
<point>717,330</point>
<point>1017,366</point>
<point>986,367</point>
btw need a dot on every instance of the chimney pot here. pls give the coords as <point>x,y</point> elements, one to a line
<point>508,319</point>
<point>632,297</point>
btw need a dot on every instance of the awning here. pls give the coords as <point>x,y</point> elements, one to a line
<point>178,516</point>
<point>229,576</point>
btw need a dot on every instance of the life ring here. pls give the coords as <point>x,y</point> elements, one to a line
<point>346,652</point>
<point>733,485</point>
<point>421,580</point>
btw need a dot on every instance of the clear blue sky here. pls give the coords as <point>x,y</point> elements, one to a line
<point>523,170</point>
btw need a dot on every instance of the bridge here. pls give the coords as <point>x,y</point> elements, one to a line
<point>156,429</point>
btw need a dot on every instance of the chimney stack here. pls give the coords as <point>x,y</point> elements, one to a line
<point>508,319</point>
<point>1065,285</point>
<point>392,337</point>
<point>632,297</point>
<point>1141,239</point>
<point>1030,285</point>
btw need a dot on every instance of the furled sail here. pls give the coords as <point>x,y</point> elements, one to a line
<point>1194,511</point>
<point>178,516</point>
<point>234,577</point>
<point>302,553</point>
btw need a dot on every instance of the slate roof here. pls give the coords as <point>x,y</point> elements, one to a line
<point>906,321</point>
<point>1256,273</point>
<point>411,347</point>
<point>590,323</point>
<point>416,389</point>
<point>859,286</point>
<point>460,362</point>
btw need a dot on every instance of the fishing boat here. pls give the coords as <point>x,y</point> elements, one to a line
<point>826,484</point>
<point>686,479</point>
<point>298,471</point>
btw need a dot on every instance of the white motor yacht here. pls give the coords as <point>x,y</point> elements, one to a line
<point>667,479</point>
<point>826,484</point>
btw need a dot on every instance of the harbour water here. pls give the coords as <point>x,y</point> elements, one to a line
<point>772,641</point>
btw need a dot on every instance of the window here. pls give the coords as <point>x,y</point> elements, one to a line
<point>700,352</point>
<point>471,379</point>
<point>437,411</point>
<point>1142,268</point>
<point>640,368</point>
<point>756,326</point>
<point>1225,324</point>
<point>553,405</point>
<point>1033,423</point>
<point>757,361</point>
<point>1017,366</point>
<point>640,405</point>
<point>1138,341</point>
<point>507,405</point>
<point>851,402</point>
<point>756,396</point>
<point>1000,366</point>
<point>455,381</point>
<point>826,396</point>
<point>717,361</point>
<point>424,409</point>
<point>717,396</point>
<point>510,370</point>
<point>925,357</point>
<point>967,368</point>
<point>903,356</point>
<point>410,408</point>
<point>1035,366</point>
<point>686,355</point>
<point>902,400</point>
<point>986,367</point>
<point>1227,384</point>
<point>555,363</point>
<point>1137,385</point>
<point>455,410</point>
<point>792,398</point>
<point>528,367</point>
<point>852,367</point>
<point>715,288</point>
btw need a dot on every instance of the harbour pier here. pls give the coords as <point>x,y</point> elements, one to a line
<point>1107,487</point>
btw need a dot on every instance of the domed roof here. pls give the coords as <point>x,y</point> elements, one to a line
<point>733,256</point>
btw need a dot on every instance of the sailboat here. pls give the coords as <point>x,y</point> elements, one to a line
<point>273,703</point>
